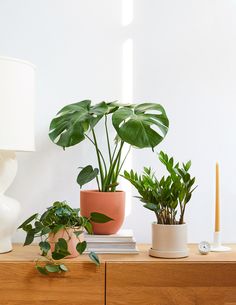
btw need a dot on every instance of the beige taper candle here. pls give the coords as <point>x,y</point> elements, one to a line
<point>217,203</point>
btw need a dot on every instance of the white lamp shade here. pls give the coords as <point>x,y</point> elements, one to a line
<point>17,94</point>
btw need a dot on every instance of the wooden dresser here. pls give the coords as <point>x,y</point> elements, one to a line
<point>121,280</point>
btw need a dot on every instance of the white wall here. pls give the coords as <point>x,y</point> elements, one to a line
<point>184,57</point>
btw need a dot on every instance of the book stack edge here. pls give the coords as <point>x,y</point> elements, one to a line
<point>122,242</point>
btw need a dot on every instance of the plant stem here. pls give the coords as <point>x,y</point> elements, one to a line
<point>103,160</point>
<point>125,158</point>
<point>107,181</point>
<point>115,173</point>
<point>108,141</point>
<point>181,213</point>
<point>114,151</point>
<point>98,184</point>
<point>98,157</point>
<point>181,219</point>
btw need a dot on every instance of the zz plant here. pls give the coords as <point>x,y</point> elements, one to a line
<point>60,216</point>
<point>142,125</point>
<point>166,197</point>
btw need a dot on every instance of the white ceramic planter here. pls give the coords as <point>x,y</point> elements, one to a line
<point>169,241</point>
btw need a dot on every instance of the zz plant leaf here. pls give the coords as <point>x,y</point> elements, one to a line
<point>168,196</point>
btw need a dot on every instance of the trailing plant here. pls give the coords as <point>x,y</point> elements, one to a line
<point>59,216</point>
<point>142,125</point>
<point>166,197</point>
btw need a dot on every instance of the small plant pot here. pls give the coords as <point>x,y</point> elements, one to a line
<point>71,239</point>
<point>111,204</point>
<point>169,241</point>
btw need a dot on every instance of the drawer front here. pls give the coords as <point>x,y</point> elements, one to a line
<point>21,284</point>
<point>170,283</point>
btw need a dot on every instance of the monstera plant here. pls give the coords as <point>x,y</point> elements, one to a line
<point>139,125</point>
<point>142,125</point>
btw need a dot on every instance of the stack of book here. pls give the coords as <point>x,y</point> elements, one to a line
<point>121,243</point>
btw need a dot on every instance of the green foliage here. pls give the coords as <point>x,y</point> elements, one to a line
<point>143,125</point>
<point>134,125</point>
<point>93,256</point>
<point>167,196</point>
<point>59,216</point>
<point>86,175</point>
<point>99,218</point>
<point>81,246</point>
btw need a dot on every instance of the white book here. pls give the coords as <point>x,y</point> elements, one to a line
<point>131,245</point>
<point>121,236</point>
<point>112,251</point>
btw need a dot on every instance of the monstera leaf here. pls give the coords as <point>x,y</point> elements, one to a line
<point>74,120</point>
<point>144,125</point>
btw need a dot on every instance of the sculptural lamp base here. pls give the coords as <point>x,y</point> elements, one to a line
<point>9,207</point>
<point>5,245</point>
<point>217,246</point>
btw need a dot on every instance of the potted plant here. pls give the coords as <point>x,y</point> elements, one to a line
<point>60,230</point>
<point>167,198</point>
<point>142,125</point>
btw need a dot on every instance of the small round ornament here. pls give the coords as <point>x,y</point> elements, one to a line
<point>204,247</point>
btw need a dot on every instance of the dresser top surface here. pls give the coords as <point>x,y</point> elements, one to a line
<point>30,253</point>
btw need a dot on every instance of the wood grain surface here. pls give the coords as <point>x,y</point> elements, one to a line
<point>29,253</point>
<point>121,280</point>
<point>196,280</point>
<point>21,284</point>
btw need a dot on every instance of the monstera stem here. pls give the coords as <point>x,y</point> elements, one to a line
<point>99,159</point>
<point>124,158</point>
<point>103,160</point>
<point>118,169</point>
<point>108,141</point>
<point>108,180</point>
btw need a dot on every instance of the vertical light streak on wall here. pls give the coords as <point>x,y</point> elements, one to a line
<point>127,71</point>
<point>127,97</point>
<point>127,12</point>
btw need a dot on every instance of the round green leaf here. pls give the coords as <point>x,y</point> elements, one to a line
<point>52,268</point>
<point>27,221</point>
<point>42,270</point>
<point>62,244</point>
<point>89,228</point>
<point>86,175</point>
<point>29,238</point>
<point>99,218</point>
<point>58,255</point>
<point>63,267</point>
<point>144,125</point>
<point>44,246</point>
<point>78,233</point>
<point>81,246</point>
<point>93,256</point>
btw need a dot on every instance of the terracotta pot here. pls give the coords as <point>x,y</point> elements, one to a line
<point>169,241</point>
<point>111,204</point>
<point>71,239</point>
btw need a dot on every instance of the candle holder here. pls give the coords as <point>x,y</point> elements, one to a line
<point>217,246</point>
